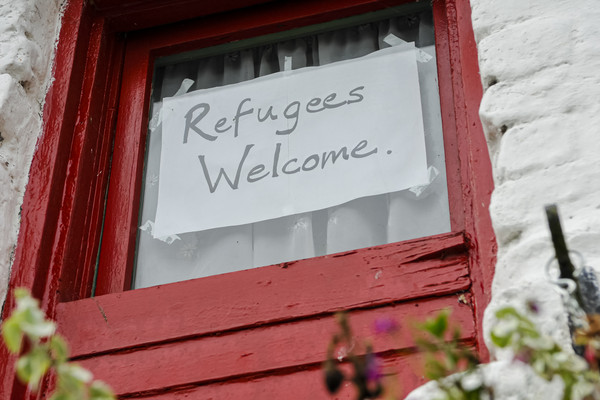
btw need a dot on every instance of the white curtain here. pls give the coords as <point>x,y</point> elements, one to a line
<point>359,223</point>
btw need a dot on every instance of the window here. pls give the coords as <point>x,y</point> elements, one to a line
<point>347,225</point>
<point>256,332</point>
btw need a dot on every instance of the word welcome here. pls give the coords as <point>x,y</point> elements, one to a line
<point>290,167</point>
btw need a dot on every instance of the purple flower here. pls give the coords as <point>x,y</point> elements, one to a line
<point>590,355</point>
<point>524,355</point>
<point>385,325</point>
<point>533,306</point>
<point>373,368</point>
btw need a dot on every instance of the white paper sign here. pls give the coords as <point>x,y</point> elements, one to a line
<point>291,142</point>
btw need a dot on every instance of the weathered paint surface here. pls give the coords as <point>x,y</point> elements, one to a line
<point>261,296</point>
<point>279,349</point>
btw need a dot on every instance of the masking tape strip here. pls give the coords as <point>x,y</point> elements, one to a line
<point>425,190</point>
<point>394,40</point>
<point>156,116</point>
<point>186,84</point>
<point>149,226</point>
<point>287,63</point>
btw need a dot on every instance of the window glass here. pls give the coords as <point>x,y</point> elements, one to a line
<point>368,221</point>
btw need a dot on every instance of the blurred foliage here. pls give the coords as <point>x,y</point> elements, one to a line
<point>546,357</point>
<point>450,362</point>
<point>366,370</point>
<point>456,368</point>
<point>46,352</point>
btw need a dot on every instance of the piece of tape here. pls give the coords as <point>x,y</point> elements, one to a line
<point>186,84</point>
<point>394,40</point>
<point>148,227</point>
<point>423,57</point>
<point>287,63</point>
<point>156,116</point>
<point>425,190</point>
<point>156,119</point>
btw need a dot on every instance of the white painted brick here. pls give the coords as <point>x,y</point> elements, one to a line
<point>526,47</point>
<point>492,15</point>
<point>21,59</point>
<point>519,153</point>
<point>28,32</point>
<point>517,205</point>
<point>533,97</point>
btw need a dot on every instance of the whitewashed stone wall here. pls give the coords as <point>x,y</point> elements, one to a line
<point>540,67</point>
<point>28,31</point>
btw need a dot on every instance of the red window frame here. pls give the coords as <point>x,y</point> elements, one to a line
<point>84,145</point>
<point>117,253</point>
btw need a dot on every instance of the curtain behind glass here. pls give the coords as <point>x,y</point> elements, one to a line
<point>363,222</point>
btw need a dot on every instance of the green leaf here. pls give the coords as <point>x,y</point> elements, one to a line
<point>69,382</point>
<point>33,366</point>
<point>75,372</point>
<point>62,396</point>
<point>529,331</point>
<point>12,335</point>
<point>456,334</point>
<point>427,345</point>
<point>437,326</point>
<point>26,303</point>
<point>506,312</point>
<point>34,323</point>
<point>24,369</point>
<point>39,329</point>
<point>21,293</point>
<point>434,369</point>
<point>59,348</point>
<point>101,391</point>
<point>500,340</point>
<point>451,359</point>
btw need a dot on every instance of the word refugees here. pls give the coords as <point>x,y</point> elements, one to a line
<point>195,115</point>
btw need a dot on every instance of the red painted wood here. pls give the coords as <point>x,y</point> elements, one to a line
<point>266,295</point>
<point>103,148</point>
<point>131,16</point>
<point>64,198</point>
<point>475,166</point>
<point>120,229</point>
<point>268,349</point>
<point>88,169</point>
<point>446,75</point>
<point>273,17</point>
<point>405,373</point>
<point>119,7</point>
<point>75,171</point>
<point>482,239</point>
<point>117,253</point>
<point>31,266</point>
